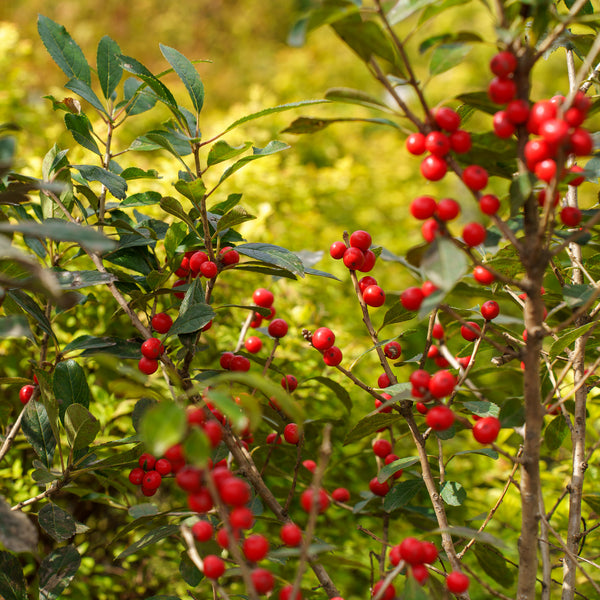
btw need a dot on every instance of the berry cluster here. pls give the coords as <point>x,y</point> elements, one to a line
<point>150,472</point>
<point>415,553</point>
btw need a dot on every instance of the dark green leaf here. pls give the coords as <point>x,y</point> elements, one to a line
<point>512,413</point>
<point>520,189</point>
<point>138,97</point>
<point>115,184</point>
<point>56,522</point>
<point>479,101</point>
<point>193,319</point>
<point>577,295</point>
<point>272,147</point>
<point>593,501</point>
<point>309,125</point>
<point>555,433</point>
<point>482,408</point>
<point>453,493</point>
<point>401,494</point>
<point>81,426</point>
<point>445,38</point>
<point>187,73</point>
<point>109,67</point>
<point>163,425</point>
<point>137,173</point>
<point>12,580</point>
<point>57,570</point>
<point>131,65</point>
<point>155,140</point>
<point>152,537</point>
<point>444,264</point>
<point>37,430</point>
<point>70,386</point>
<point>197,448</point>
<point>273,255</point>
<point>75,280</point>
<point>413,590</point>
<point>29,305</point>
<point>81,130</point>
<point>17,532</point>
<point>339,390</point>
<point>189,571</point>
<point>494,564</point>
<point>221,151</point>
<point>116,347</point>
<point>119,459</point>
<point>142,510</point>
<point>234,217</point>
<point>447,56</point>
<point>193,190</point>
<point>369,425</point>
<point>483,451</point>
<point>173,207</point>
<point>63,49</point>
<point>569,338</point>
<point>83,90</point>
<point>402,463</point>
<point>142,199</point>
<point>396,314</point>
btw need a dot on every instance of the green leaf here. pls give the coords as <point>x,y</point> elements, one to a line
<point>192,190</point>
<point>17,532</point>
<point>29,305</point>
<point>75,280</point>
<point>193,319</point>
<point>70,386</point>
<point>369,425</point>
<point>512,413</point>
<point>352,96</point>
<point>142,199</point>
<point>137,96</point>
<point>131,65</point>
<point>592,500</point>
<point>234,217</point>
<point>273,255</point>
<point>187,73</point>
<point>15,326</point>
<point>57,570</point>
<point>339,390</point>
<point>396,314</point>
<point>137,173</point>
<point>448,56</point>
<point>56,522</point>
<point>453,493</point>
<point>119,459</point>
<point>108,65</point>
<point>189,571</point>
<point>402,463</point>
<point>152,537</point>
<point>494,564</point>
<point>413,590</point>
<point>115,184</point>
<point>577,295</point>
<point>36,428</point>
<point>221,151</point>
<point>12,580</point>
<point>197,448</point>
<point>569,338</point>
<point>445,38</point>
<point>81,426</point>
<point>173,207</point>
<point>81,128</point>
<point>405,8</point>
<point>482,408</point>
<point>444,264</point>
<point>303,125</point>
<point>83,90</point>
<point>555,433</point>
<point>162,426</point>
<point>272,147</point>
<point>156,140</point>
<point>483,451</point>
<point>401,494</point>
<point>63,49</point>
<point>520,189</point>
<point>142,510</point>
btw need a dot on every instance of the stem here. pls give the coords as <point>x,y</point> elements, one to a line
<point>12,434</point>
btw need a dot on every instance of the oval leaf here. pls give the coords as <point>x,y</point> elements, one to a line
<point>56,522</point>
<point>56,572</point>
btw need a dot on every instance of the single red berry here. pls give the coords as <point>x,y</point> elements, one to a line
<point>255,547</point>
<point>136,475</point>
<point>262,580</point>
<point>222,537</point>
<point>581,142</point>
<point>309,464</point>
<point>482,275</point>
<point>540,112</point>
<point>152,348</point>
<point>475,177</point>
<point>277,328</point>
<point>340,495</point>
<point>395,556</point>
<point>370,259</point>
<point>365,282</point>
<point>381,447</point>
<point>420,379</point>
<point>209,269</point>
<point>213,432</point>
<point>517,111</point>
<point>184,267</point>
<point>214,567</point>
<point>225,360</point>
<point>423,207</point>
<point>337,249</point>
<point>420,406</point>
<point>291,534</point>
<point>502,91</point>
<point>323,338</point>
<point>428,288</point>
<point>429,230</point>
<point>392,350</point>
<point>189,479</point>
<point>235,491</point>
<point>437,143</point>
<point>581,101</point>
<point>415,143</point>
<point>442,384</point>
<point>383,381</point>
<point>289,383</point>
<point>286,593</point>
<point>374,296</point>
<point>273,438</point>
<point>196,260</point>
<point>309,496</point>
<point>474,234</point>
<point>420,573</point>
<point>576,181</point>
<point>471,331</point>
<point>545,170</point>
<point>253,344</point>
<point>263,297</point>
<point>411,298</point>
<point>490,309</point>
<point>554,131</point>
<point>503,126</point>
<point>360,239</point>
<point>148,491</point>
<point>411,551</point>
<point>291,433</point>
<point>147,365</point>
<point>457,582</point>
<point>378,488</point>
<point>228,256</point>
<point>570,216</point>
<point>486,430</point>
<point>152,480</point>
<point>433,351</point>
<point>437,331</point>
<point>430,552</point>
<point>574,117</point>
<point>202,531</point>
<point>163,466</point>
<point>26,392</point>
<point>201,501</point>
<point>239,363</point>
<point>354,258</point>
<point>503,63</point>
<point>439,418</point>
<point>161,322</point>
<point>460,141</point>
<point>332,356</point>
<point>433,168</point>
<point>536,151</point>
<point>447,209</point>
<point>389,592</point>
<point>447,119</point>
<point>489,204</point>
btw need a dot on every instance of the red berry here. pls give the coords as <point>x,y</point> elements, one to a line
<point>536,151</point>
<point>253,344</point>
<point>428,288</point>
<point>273,438</point>
<point>475,177</point>
<point>161,322</point>
<point>291,433</point>
<point>332,356</point>
<point>457,582</point>
<point>423,207</point>
<point>286,593</point>
<point>389,459</point>
<point>228,256</point>
<point>437,331</point>
<point>576,181</point>
<point>471,331</point>
<point>337,249</point>
<point>430,552</point>
<point>309,464</point>
<point>209,269</point>
<point>340,495</point>
<point>136,475</point>
<point>289,383</point>
<point>202,531</point>
<point>225,360</point>
<point>439,418</point>
<point>388,594</point>
<point>489,204</point>
<point>365,282</point>
<point>374,296</point>
<point>255,547</point>
<point>214,567</point>
<point>263,297</point>
<point>381,447</point>
<point>392,350</point>
<point>502,91</point>
<point>152,480</point>
<point>411,551</point>
<point>152,348</point>
<point>421,408</point>
<point>378,488</point>
<point>420,573</point>
<point>574,117</point>
<point>545,169</point>
<point>503,126</point>
<point>570,216</point>
<point>25,393</point>
<point>262,580</point>
<point>447,209</point>
<point>437,143</point>
<point>433,168</point>
<point>277,328</point>
<point>554,131</point>
<point>201,501</point>
<point>234,491</point>
<point>239,363</point>
<point>360,239</point>
<point>503,64</point>
<point>370,259</point>
<point>517,111</point>
<point>415,143</point>
<point>441,384</point>
<point>163,466</point>
<point>213,431</point>
<point>490,310</point>
<point>474,234</point>
<point>383,380</point>
<point>429,230</point>
<point>323,338</point>
<point>184,267</point>
<point>196,260</point>
<point>447,119</point>
<point>540,112</point>
<point>308,497</point>
<point>147,365</point>
<point>291,534</point>
<point>354,258</point>
<point>189,479</point>
<point>460,141</point>
<point>581,143</point>
<point>420,379</point>
<point>482,275</point>
<point>411,298</point>
<point>581,101</point>
<point>486,430</point>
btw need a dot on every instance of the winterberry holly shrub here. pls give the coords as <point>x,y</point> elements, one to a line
<point>488,358</point>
